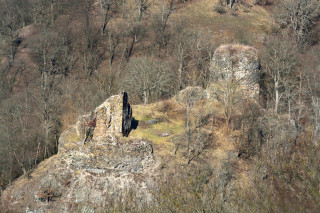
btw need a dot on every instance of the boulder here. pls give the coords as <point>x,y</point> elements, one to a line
<point>152,121</point>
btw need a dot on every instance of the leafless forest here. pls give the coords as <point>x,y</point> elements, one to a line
<point>62,58</point>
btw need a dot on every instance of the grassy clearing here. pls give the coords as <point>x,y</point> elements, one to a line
<point>174,116</point>
<point>173,124</point>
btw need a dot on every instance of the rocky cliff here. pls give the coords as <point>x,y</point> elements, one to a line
<point>91,174</point>
<point>239,63</point>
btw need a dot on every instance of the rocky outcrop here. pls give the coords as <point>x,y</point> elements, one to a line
<point>109,117</point>
<point>112,117</point>
<point>89,175</point>
<point>239,63</point>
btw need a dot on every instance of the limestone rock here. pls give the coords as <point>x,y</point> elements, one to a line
<point>152,121</point>
<point>82,125</point>
<point>109,117</point>
<point>239,62</point>
<point>86,176</point>
<point>112,117</point>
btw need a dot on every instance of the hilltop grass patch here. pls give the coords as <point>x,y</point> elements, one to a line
<point>174,125</point>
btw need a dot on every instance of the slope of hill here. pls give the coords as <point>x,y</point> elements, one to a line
<point>198,144</point>
<point>95,175</point>
<point>57,63</point>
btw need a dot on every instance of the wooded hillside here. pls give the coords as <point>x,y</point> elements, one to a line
<point>61,58</point>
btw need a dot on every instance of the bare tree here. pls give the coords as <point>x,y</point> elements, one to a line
<point>160,24</point>
<point>114,40</point>
<point>135,30</point>
<point>202,52</point>
<point>299,16</point>
<point>281,64</point>
<point>312,75</point>
<point>228,93</point>
<point>182,55</point>
<point>8,25</point>
<point>91,55</point>
<point>197,140</point>
<point>148,78</point>
<point>133,35</point>
<point>142,6</point>
<point>47,51</point>
<point>107,10</point>
<point>230,3</point>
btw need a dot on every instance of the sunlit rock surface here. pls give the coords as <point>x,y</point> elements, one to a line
<point>240,63</point>
<point>88,175</point>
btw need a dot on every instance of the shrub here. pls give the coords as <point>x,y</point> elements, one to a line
<point>165,106</point>
<point>219,9</point>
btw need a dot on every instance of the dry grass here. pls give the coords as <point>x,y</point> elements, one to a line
<point>232,26</point>
<point>236,48</point>
<point>173,124</point>
<point>72,140</point>
<point>163,147</point>
<point>174,121</point>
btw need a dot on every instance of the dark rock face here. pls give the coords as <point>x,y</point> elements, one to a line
<point>126,116</point>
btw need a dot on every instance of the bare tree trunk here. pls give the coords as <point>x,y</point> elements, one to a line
<point>45,93</point>
<point>38,151</point>
<point>316,113</point>
<point>142,6</point>
<point>231,3</point>
<point>180,69</point>
<point>289,108</point>
<point>51,10</point>
<point>276,87</point>
<point>20,164</point>
<point>86,47</point>
<point>188,130</point>
<point>299,99</point>
<point>11,53</point>
<point>145,96</point>
<point>104,16</point>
